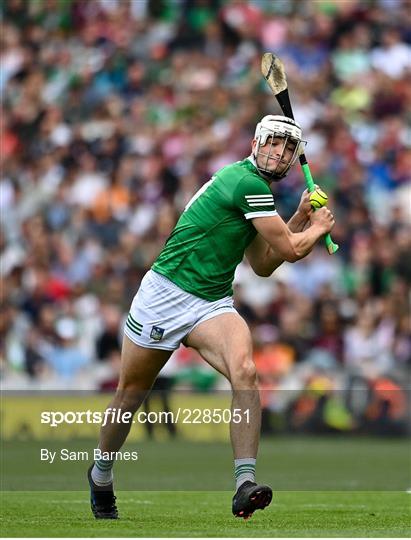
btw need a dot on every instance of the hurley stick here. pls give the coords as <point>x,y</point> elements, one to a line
<point>273,71</point>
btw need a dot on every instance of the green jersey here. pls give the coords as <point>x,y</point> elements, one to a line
<point>209,239</point>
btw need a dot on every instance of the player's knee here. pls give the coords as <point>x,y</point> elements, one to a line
<point>244,374</point>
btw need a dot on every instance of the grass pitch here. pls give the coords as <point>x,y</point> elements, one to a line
<point>208,514</point>
<point>323,486</point>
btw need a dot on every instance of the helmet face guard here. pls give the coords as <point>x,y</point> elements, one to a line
<point>273,128</point>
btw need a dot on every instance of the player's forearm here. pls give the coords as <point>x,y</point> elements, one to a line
<point>303,242</point>
<point>294,246</point>
<point>272,260</point>
<point>298,222</point>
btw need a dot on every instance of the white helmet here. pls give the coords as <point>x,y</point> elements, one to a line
<point>277,126</point>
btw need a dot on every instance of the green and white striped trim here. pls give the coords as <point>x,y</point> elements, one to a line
<point>104,464</point>
<point>259,200</point>
<point>244,471</point>
<point>241,469</point>
<point>133,325</point>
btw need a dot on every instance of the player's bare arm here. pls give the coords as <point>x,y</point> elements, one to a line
<point>301,219</point>
<point>262,257</point>
<point>290,246</point>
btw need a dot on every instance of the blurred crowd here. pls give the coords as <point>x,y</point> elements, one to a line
<point>114,112</point>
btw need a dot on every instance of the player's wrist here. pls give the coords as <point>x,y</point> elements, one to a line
<point>298,221</point>
<point>319,228</point>
<point>302,213</point>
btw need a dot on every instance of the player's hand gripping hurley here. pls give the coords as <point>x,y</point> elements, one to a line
<point>273,71</point>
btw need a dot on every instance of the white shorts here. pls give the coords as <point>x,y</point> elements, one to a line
<point>162,314</point>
